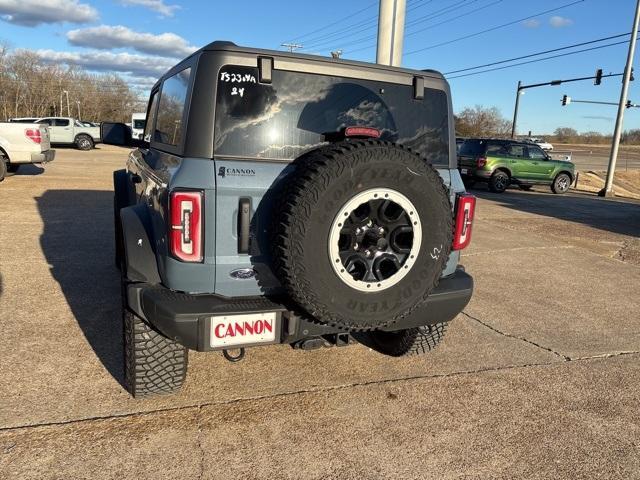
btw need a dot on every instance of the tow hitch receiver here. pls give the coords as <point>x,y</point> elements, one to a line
<point>234,358</point>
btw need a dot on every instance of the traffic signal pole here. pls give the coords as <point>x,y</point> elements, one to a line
<point>598,76</point>
<point>515,110</point>
<point>607,191</point>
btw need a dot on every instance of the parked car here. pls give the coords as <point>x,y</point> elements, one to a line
<point>504,162</point>
<point>285,198</point>
<point>22,143</point>
<point>137,125</point>
<point>544,145</point>
<point>69,131</point>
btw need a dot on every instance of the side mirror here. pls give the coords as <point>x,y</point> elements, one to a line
<point>113,133</point>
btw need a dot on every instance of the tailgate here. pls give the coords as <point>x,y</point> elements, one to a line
<point>242,185</point>
<point>466,161</point>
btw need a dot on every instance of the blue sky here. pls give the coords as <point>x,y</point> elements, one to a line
<point>141,38</point>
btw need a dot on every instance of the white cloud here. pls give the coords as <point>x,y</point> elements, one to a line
<point>156,5</point>
<point>131,64</point>
<point>106,37</point>
<point>31,13</point>
<point>531,23</point>
<point>557,21</point>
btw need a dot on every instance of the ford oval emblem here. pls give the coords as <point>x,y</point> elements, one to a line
<point>242,273</point>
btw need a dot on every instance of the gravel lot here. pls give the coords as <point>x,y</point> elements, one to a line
<point>538,378</point>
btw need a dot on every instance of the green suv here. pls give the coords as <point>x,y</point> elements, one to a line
<point>503,162</point>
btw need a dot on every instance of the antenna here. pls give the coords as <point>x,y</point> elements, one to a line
<point>291,46</point>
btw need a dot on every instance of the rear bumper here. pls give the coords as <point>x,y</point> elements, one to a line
<point>188,318</point>
<point>473,173</point>
<point>44,157</point>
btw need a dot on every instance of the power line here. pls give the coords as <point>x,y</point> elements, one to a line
<point>361,26</point>
<point>493,28</point>
<point>539,60</point>
<point>537,53</point>
<point>332,24</point>
<point>457,17</point>
<point>437,13</point>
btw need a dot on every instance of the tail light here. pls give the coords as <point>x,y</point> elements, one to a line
<point>465,209</point>
<point>33,135</point>
<point>481,162</point>
<point>362,132</point>
<point>185,225</point>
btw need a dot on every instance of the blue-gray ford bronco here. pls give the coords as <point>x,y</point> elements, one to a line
<point>287,198</point>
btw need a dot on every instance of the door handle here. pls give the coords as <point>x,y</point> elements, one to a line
<point>244,222</point>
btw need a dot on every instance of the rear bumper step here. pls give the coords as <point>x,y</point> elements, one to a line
<point>188,318</point>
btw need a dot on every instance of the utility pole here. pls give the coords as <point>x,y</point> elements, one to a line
<point>291,46</point>
<point>391,32</point>
<point>78,104</point>
<point>607,191</point>
<point>68,109</point>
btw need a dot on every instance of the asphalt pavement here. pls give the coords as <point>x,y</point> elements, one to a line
<point>596,157</point>
<point>538,378</point>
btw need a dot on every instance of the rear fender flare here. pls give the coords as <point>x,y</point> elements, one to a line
<point>123,189</point>
<point>140,258</point>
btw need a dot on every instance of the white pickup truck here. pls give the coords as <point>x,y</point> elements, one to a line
<point>22,143</point>
<point>68,131</point>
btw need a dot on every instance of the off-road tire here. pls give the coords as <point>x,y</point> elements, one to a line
<point>499,181</point>
<point>84,142</point>
<point>153,364</point>
<point>412,341</point>
<point>322,182</point>
<point>561,184</point>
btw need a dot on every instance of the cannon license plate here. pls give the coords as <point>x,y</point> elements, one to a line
<point>244,329</point>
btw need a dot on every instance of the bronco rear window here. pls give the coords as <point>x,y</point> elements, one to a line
<point>297,111</point>
<point>473,147</point>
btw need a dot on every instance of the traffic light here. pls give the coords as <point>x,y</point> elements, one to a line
<point>566,100</point>
<point>631,77</point>
<point>598,79</point>
<point>628,105</point>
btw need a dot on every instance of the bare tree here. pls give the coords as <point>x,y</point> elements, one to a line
<point>482,122</point>
<point>31,87</point>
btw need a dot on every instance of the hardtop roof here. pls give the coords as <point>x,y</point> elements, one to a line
<point>226,46</point>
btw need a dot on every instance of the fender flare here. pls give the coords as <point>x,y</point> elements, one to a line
<point>123,189</point>
<point>139,253</point>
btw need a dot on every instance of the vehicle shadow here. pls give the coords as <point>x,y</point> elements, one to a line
<point>28,169</point>
<point>612,215</point>
<point>77,241</point>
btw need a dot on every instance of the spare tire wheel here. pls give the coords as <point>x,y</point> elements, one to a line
<point>364,233</point>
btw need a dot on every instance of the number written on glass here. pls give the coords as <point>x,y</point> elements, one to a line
<point>237,77</point>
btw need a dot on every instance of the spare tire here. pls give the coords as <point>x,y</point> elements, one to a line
<point>364,232</point>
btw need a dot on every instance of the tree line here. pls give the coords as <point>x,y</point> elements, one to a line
<point>31,87</point>
<point>482,121</point>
